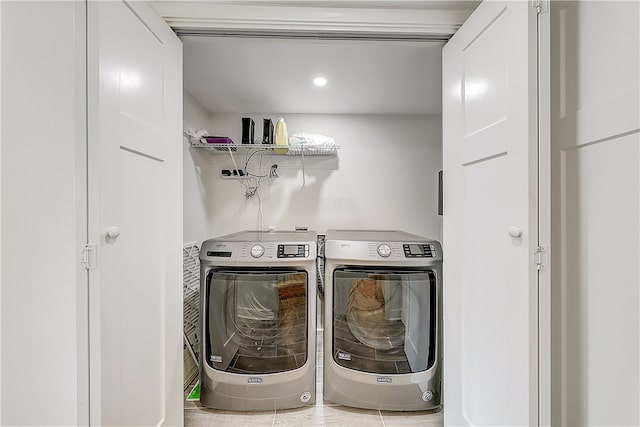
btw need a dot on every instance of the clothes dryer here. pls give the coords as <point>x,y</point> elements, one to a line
<point>382,322</point>
<point>258,300</point>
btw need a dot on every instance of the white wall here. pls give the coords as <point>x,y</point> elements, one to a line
<point>595,115</point>
<point>40,227</point>
<point>195,220</point>
<point>383,177</point>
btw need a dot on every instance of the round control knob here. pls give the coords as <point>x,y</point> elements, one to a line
<point>257,251</point>
<point>384,250</point>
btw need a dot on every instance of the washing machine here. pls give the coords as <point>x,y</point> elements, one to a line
<point>258,300</point>
<point>382,320</point>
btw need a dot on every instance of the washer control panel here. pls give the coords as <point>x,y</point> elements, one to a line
<point>413,250</point>
<point>293,251</point>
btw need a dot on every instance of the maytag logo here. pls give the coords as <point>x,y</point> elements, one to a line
<point>254,380</point>
<point>344,356</point>
<point>384,380</point>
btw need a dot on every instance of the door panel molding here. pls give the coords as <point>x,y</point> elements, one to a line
<point>596,122</point>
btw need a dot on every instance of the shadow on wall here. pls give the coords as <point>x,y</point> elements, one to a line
<point>307,176</point>
<point>205,172</point>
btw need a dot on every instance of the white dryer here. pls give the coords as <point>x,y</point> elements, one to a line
<point>382,320</point>
<point>258,300</point>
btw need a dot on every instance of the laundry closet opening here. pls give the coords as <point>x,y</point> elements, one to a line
<point>374,120</point>
<point>381,105</point>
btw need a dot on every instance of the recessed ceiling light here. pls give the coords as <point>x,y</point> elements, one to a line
<point>320,81</point>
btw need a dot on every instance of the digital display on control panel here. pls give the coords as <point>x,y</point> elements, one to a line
<point>293,251</point>
<point>416,250</point>
<point>290,249</point>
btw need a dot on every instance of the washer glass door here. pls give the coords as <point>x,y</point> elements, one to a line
<point>384,321</point>
<point>256,321</point>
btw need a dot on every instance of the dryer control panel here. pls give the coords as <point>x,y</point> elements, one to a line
<point>416,250</point>
<point>293,251</point>
<point>387,248</point>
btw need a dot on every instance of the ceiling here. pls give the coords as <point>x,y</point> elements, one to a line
<point>231,74</point>
<point>259,75</point>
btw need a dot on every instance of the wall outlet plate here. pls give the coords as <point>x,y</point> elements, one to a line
<point>239,173</point>
<point>232,173</point>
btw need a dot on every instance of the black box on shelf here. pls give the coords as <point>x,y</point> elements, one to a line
<point>247,130</point>
<point>267,131</point>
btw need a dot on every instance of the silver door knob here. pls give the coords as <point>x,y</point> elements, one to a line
<point>515,231</point>
<point>113,232</point>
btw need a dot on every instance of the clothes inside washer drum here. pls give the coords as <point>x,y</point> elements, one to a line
<point>366,316</point>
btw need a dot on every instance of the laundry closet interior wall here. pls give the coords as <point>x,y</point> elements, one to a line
<point>382,106</point>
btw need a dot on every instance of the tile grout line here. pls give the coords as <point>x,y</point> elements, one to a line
<point>381,418</point>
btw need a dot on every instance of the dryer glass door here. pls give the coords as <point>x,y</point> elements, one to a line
<point>256,321</point>
<point>384,322</point>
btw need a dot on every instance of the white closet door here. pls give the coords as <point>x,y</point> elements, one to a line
<point>596,213</point>
<point>135,215</point>
<point>490,218</point>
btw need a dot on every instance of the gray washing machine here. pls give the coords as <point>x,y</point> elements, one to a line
<point>382,320</point>
<point>258,300</point>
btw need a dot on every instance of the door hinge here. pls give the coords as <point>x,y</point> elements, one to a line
<point>89,256</point>
<point>542,6</point>
<point>540,257</point>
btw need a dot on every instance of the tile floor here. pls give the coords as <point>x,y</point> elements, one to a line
<point>321,414</point>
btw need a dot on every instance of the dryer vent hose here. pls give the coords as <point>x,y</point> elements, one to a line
<point>320,278</point>
<point>320,264</point>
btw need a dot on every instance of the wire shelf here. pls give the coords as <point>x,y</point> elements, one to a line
<point>280,150</point>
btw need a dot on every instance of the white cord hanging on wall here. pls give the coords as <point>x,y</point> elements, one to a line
<point>304,179</point>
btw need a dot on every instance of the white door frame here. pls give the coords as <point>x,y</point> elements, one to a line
<point>247,17</point>
<point>544,215</point>
<point>82,228</point>
<point>370,23</point>
<point>79,322</point>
